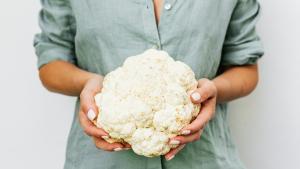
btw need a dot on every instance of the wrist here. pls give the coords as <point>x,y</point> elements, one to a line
<point>222,85</point>
<point>94,76</point>
<point>86,77</point>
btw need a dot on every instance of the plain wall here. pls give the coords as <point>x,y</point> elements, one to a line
<point>34,123</point>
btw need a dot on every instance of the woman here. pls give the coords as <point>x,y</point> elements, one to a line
<point>81,41</point>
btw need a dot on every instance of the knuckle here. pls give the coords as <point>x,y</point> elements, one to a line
<point>80,119</point>
<point>81,122</point>
<point>210,117</point>
<point>213,115</point>
<point>83,106</point>
<point>108,148</point>
<point>214,86</point>
<point>204,95</point>
<point>203,80</point>
<point>83,94</point>
<point>197,137</point>
<point>81,114</point>
<point>214,89</point>
<point>105,148</point>
<point>210,83</point>
<point>86,131</point>
<point>181,138</point>
<point>98,145</point>
<point>204,125</point>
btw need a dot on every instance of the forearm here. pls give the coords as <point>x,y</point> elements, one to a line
<point>235,82</point>
<point>63,77</point>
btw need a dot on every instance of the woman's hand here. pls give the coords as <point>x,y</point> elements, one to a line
<point>89,111</point>
<point>206,95</point>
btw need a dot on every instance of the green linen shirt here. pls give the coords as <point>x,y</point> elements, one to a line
<point>98,35</point>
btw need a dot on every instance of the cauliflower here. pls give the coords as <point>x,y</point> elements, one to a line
<point>145,102</point>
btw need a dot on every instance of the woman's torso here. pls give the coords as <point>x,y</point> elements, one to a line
<point>108,31</point>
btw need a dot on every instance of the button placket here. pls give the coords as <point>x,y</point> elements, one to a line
<point>165,20</point>
<point>150,28</point>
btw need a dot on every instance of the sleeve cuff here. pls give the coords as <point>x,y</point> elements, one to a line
<point>245,54</point>
<point>54,54</point>
<point>244,60</point>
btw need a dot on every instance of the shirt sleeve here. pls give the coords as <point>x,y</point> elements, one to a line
<point>56,40</point>
<point>242,44</point>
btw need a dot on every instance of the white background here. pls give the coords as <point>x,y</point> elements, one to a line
<point>34,123</point>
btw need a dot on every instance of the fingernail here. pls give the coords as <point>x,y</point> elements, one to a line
<point>127,148</point>
<point>91,114</point>
<point>186,132</point>
<point>118,149</point>
<point>196,96</point>
<point>105,137</point>
<point>174,142</point>
<point>170,158</point>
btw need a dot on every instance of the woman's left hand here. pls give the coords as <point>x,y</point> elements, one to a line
<point>206,95</point>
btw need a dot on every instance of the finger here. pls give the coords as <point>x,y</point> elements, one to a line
<point>89,113</point>
<point>171,154</point>
<point>104,145</point>
<point>203,92</point>
<point>186,139</point>
<point>206,113</point>
<point>202,81</point>
<point>87,104</point>
<point>89,128</point>
<point>126,146</point>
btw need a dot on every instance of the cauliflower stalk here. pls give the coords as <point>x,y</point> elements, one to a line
<point>145,102</point>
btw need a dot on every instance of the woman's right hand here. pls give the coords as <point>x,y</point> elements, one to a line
<point>88,112</point>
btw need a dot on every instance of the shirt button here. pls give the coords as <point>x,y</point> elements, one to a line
<point>168,6</point>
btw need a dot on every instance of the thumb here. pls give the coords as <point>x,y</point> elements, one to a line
<point>201,94</point>
<point>88,105</point>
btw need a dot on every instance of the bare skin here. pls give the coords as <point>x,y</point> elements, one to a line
<point>157,9</point>
<point>230,84</point>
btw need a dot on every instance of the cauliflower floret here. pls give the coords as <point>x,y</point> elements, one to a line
<point>145,102</point>
<point>149,142</point>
